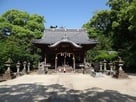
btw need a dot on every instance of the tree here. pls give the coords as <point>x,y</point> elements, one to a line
<point>118,26</point>
<point>17,29</point>
<point>124,28</point>
<point>98,27</point>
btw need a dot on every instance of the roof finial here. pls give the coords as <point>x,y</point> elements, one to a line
<point>65,36</point>
<point>53,26</point>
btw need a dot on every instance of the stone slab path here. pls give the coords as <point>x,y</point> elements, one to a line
<point>68,87</point>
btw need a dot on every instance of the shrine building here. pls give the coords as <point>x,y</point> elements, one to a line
<point>64,47</point>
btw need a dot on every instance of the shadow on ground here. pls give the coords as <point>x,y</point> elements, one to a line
<point>58,93</point>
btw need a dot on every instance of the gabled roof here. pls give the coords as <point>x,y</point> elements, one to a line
<point>78,36</point>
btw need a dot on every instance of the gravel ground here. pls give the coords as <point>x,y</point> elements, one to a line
<point>68,87</point>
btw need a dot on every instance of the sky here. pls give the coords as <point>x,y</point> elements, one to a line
<point>63,13</point>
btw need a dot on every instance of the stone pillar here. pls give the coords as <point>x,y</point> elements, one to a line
<point>28,67</point>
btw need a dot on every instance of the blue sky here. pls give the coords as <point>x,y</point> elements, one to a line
<point>66,13</point>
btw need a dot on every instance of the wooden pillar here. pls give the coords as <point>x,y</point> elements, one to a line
<point>56,58</point>
<point>45,59</point>
<point>84,58</point>
<point>74,63</point>
<point>65,60</point>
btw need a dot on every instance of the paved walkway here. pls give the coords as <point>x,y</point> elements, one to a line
<point>68,88</point>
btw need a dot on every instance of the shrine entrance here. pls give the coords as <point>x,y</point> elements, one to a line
<point>65,61</point>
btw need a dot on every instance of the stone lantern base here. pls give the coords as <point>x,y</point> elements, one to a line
<point>120,74</point>
<point>7,75</point>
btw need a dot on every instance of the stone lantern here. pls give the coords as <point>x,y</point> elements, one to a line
<point>24,69</point>
<point>105,65</point>
<point>18,68</point>
<point>82,67</point>
<point>101,64</point>
<point>28,67</point>
<point>120,73</point>
<point>8,64</point>
<point>121,62</point>
<point>111,67</point>
<point>46,66</point>
<point>7,74</point>
<point>112,71</point>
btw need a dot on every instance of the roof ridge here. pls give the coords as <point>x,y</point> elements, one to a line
<point>64,29</point>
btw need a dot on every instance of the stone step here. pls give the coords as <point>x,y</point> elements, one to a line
<point>66,69</point>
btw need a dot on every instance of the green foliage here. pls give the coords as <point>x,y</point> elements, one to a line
<point>106,55</point>
<point>17,29</point>
<point>115,29</point>
<point>99,55</point>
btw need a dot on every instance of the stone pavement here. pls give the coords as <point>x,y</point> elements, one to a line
<point>68,88</point>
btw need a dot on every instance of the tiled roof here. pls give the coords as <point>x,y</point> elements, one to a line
<point>78,36</point>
